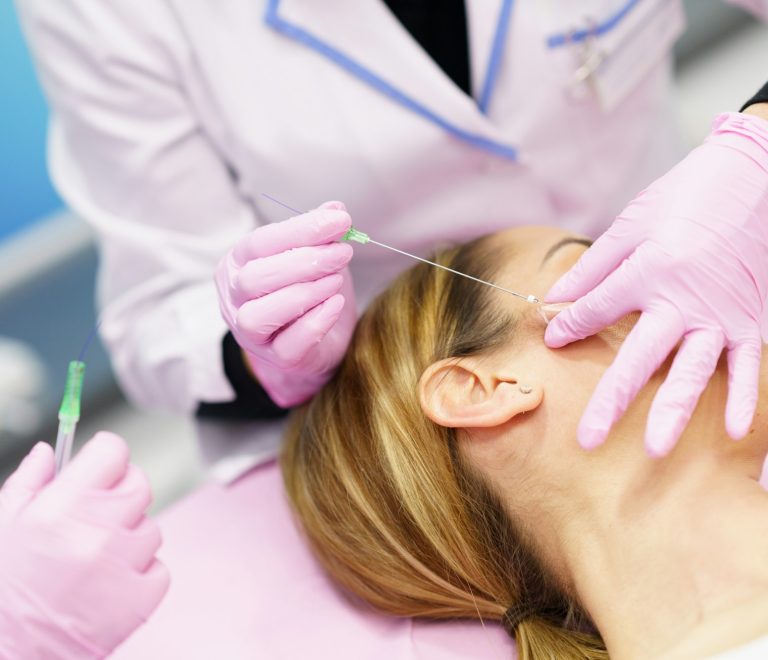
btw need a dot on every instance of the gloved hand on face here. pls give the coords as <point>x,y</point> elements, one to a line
<point>691,253</point>
<point>287,297</point>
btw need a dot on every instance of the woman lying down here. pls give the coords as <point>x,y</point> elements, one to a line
<point>438,476</point>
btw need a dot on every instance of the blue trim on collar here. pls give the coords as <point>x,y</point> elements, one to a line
<point>292,31</point>
<point>557,40</point>
<point>497,51</point>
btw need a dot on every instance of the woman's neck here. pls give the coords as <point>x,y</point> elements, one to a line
<point>681,545</point>
<point>650,581</point>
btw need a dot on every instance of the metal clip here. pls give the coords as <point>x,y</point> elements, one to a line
<point>590,56</point>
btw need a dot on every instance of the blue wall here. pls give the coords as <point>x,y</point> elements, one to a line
<point>26,194</point>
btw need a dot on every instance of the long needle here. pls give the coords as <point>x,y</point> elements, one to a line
<point>361,237</point>
<point>531,298</point>
<point>91,337</point>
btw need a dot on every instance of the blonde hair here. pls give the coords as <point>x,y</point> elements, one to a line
<point>388,504</point>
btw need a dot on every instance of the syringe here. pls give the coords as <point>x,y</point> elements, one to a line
<point>69,413</point>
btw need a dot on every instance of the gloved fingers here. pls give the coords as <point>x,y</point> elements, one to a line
<point>743,382</point>
<point>153,583</point>
<point>605,255</point>
<point>136,547</point>
<point>322,225</point>
<point>676,399</point>
<point>305,264</point>
<point>260,319</point>
<point>139,594</point>
<point>641,354</point>
<point>123,505</point>
<point>610,301</point>
<point>34,472</point>
<point>304,334</point>
<point>101,463</point>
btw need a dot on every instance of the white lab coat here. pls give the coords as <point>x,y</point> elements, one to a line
<point>169,118</point>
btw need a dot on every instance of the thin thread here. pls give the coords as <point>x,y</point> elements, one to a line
<point>456,272</point>
<point>283,204</point>
<point>88,341</point>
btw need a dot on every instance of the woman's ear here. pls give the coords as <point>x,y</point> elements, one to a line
<point>465,394</point>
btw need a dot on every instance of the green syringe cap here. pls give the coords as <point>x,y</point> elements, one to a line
<point>356,235</point>
<point>73,389</point>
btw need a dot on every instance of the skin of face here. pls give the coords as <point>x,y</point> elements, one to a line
<point>660,532</point>
<point>565,378</point>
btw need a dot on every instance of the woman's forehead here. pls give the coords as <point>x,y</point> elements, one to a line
<point>522,252</point>
<point>530,243</point>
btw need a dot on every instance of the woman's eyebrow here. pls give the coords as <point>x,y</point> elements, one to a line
<point>561,244</point>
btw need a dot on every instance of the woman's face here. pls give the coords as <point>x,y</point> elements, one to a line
<point>540,445</point>
<point>535,258</point>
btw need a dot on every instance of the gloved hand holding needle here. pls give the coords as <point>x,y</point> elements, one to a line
<point>68,545</point>
<point>691,253</point>
<point>287,297</point>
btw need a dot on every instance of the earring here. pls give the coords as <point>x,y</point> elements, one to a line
<point>525,389</point>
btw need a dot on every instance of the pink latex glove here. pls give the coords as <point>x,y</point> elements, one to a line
<point>77,556</point>
<point>691,253</point>
<point>288,299</point>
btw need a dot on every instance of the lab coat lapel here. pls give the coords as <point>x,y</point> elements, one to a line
<point>366,39</point>
<point>482,23</point>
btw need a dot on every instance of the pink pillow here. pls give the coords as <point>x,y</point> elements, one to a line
<point>244,585</point>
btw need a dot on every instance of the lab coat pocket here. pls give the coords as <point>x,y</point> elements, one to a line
<point>607,47</point>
